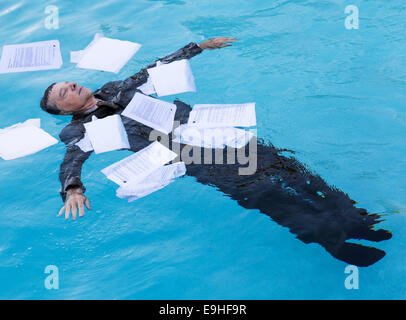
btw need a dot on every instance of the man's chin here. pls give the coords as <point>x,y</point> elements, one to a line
<point>89,95</point>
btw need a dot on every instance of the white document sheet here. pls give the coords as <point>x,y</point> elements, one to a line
<point>23,139</point>
<point>34,56</point>
<point>223,115</point>
<point>107,134</point>
<point>172,78</point>
<point>85,145</point>
<point>152,112</point>
<point>108,54</point>
<point>139,165</point>
<point>153,182</point>
<point>241,139</point>
<point>148,87</point>
<point>75,56</point>
<point>216,138</point>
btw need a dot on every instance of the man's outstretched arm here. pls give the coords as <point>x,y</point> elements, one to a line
<point>187,52</point>
<point>193,49</point>
<point>121,91</point>
<point>72,189</point>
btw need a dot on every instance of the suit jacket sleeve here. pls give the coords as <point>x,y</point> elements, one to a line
<point>187,52</point>
<point>71,167</point>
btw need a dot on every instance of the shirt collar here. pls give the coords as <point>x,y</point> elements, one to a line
<point>90,110</point>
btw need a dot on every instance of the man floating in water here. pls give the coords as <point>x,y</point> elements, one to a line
<point>280,187</point>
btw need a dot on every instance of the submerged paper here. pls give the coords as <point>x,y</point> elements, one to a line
<point>32,56</point>
<point>172,78</point>
<point>153,182</point>
<point>107,134</point>
<point>75,56</point>
<point>139,165</point>
<point>108,54</point>
<point>152,112</point>
<point>212,137</point>
<point>23,139</point>
<point>223,115</point>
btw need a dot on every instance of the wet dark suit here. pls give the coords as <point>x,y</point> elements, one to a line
<point>281,187</point>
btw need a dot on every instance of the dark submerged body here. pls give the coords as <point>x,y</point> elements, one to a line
<point>286,191</point>
<point>282,188</point>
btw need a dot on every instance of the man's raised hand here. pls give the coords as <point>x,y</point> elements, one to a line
<point>217,43</point>
<point>75,200</point>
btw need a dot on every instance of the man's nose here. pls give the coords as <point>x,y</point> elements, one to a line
<point>73,85</point>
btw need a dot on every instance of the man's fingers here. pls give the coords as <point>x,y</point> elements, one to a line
<point>223,44</point>
<point>230,39</point>
<point>226,39</point>
<point>219,42</point>
<point>67,211</point>
<point>75,209</point>
<point>81,209</point>
<point>61,211</point>
<point>75,206</point>
<point>87,203</point>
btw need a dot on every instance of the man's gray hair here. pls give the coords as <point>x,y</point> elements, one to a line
<point>47,106</point>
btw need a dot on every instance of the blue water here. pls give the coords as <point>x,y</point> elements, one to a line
<point>334,96</point>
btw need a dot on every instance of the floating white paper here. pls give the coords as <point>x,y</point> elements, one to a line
<point>204,137</point>
<point>223,115</point>
<point>85,145</point>
<point>212,137</point>
<point>172,78</point>
<point>107,134</point>
<point>76,56</point>
<point>148,87</point>
<point>152,112</point>
<point>139,165</point>
<point>108,54</point>
<point>23,139</point>
<point>34,56</point>
<point>153,182</point>
<point>241,139</point>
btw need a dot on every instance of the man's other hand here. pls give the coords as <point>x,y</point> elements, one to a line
<point>217,43</point>
<point>75,200</point>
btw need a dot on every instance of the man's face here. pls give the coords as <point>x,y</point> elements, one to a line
<point>70,97</point>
